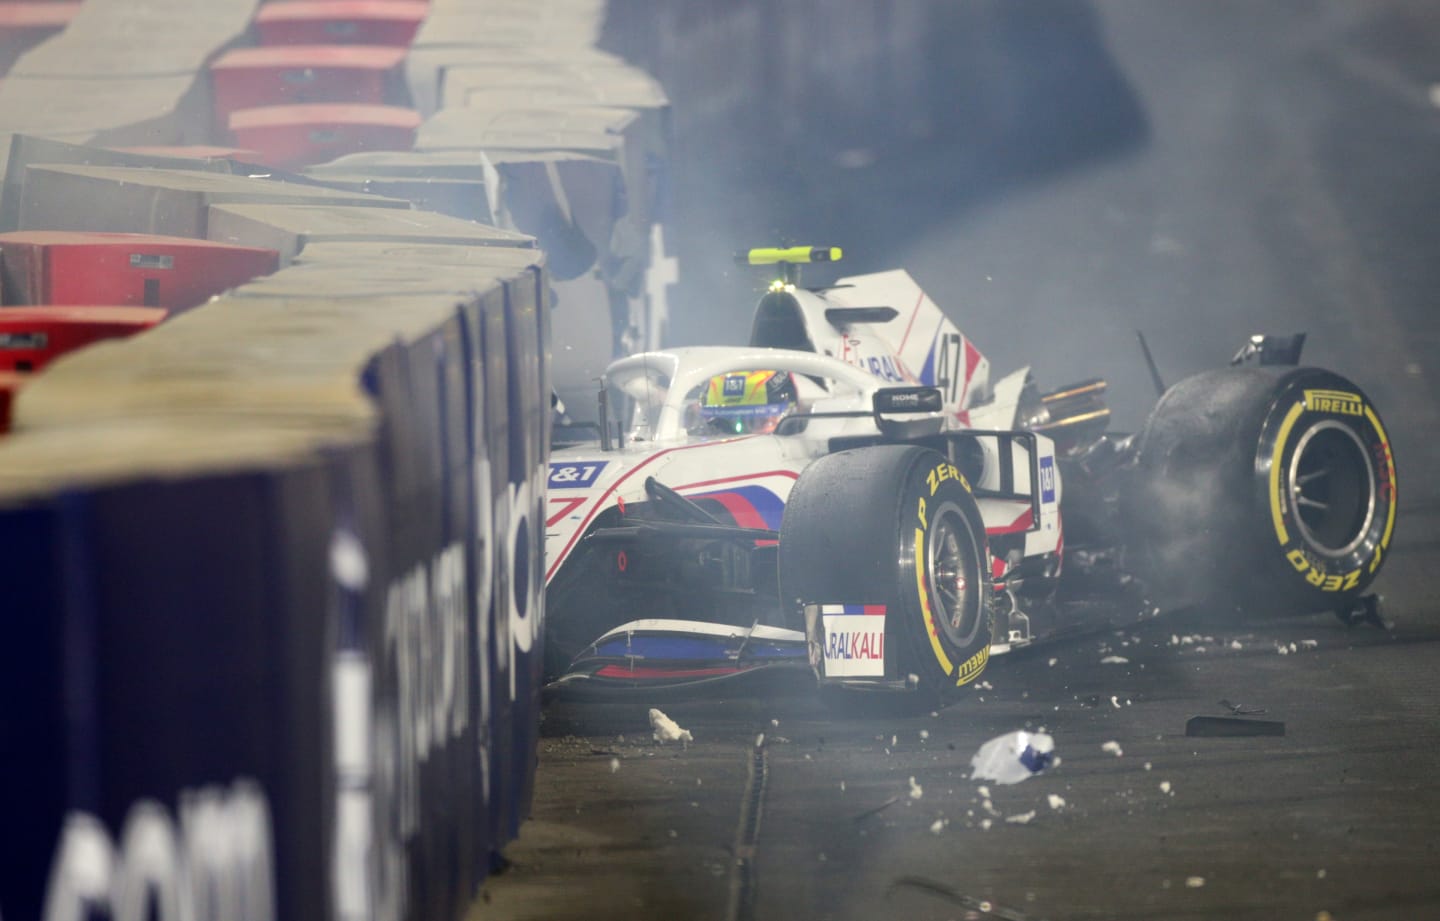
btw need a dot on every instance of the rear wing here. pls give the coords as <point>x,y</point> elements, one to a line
<point>883,323</point>
<point>919,334</point>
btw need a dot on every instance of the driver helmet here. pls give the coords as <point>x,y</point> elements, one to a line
<point>747,402</point>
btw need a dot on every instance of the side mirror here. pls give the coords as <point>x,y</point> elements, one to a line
<point>923,405</point>
<point>909,400</point>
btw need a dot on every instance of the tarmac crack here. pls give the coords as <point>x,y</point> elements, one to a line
<point>741,906</point>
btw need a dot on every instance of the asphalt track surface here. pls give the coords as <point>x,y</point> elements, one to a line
<point>1288,181</point>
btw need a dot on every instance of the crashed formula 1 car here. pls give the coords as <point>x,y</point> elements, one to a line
<point>852,495</point>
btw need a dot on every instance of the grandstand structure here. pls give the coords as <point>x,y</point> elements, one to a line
<point>279,289</point>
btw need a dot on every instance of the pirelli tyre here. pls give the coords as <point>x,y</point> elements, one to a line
<point>883,552</point>
<point>1270,491</point>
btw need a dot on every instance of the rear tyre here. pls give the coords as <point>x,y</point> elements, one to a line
<point>1268,491</point>
<point>892,527</point>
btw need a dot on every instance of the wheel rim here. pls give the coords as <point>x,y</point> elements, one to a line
<point>1331,483</point>
<point>951,550</point>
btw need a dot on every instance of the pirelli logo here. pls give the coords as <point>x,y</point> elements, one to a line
<point>973,666</point>
<point>1341,402</point>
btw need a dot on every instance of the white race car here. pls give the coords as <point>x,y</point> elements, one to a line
<point>852,497</point>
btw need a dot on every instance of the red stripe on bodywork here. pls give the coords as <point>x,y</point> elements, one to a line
<point>741,509</point>
<point>599,503</point>
<point>760,522</point>
<point>914,312</point>
<point>620,671</point>
<point>566,507</point>
<point>739,477</point>
<point>1024,523</point>
<point>972,361</point>
<point>1060,550</point>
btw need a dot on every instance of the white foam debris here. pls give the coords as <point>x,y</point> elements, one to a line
<point>984,791</point>
<point>1013,757</point>
<point>894,741</point>
<point>1320,874</point>
<point>1147,765</point>
<point>842,786</point>
<point>937,826</point>
<point>986,685</point>
<point>1294,648</point>
<point>1194,882</point>
<point>1113,748</point>
<point>614,765</point>
<point>1236,644</point>
<point>916,791</point>
<point>985,824</point>
<point>924,734</point>
<point>1282,649</point>
<point>1309,644</point>
<point>1052,662</point>
<point>989,807</point>
<point>1056,801</point>
<point>1164,786</point>
<point>1021,819</point>
<point>1174,640</point>
<point>1114,660</point>
<point>667,730</point>
<point>1201,649</point>
<point>760,740</point>
<point>1115,701</point>
<point>775,723</point>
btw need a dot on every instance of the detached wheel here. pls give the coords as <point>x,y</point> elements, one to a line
<point>883,550</point>
<point>1268,491</point>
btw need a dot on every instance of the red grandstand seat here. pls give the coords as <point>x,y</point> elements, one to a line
<point>293,136</point>
<point>341,22</point>
<point>32,337</point>
<point>248,78</point>
<point>135,269</point>
<point>10,383</point>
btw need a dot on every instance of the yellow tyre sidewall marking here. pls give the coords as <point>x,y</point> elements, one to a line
<point>1282,438</point>
<point>973,666</point>
<point>925,612</point>
<point>1297,559</point>
<point>1390,467</point>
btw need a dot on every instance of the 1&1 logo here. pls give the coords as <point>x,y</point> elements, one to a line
<point>1047,479</point>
